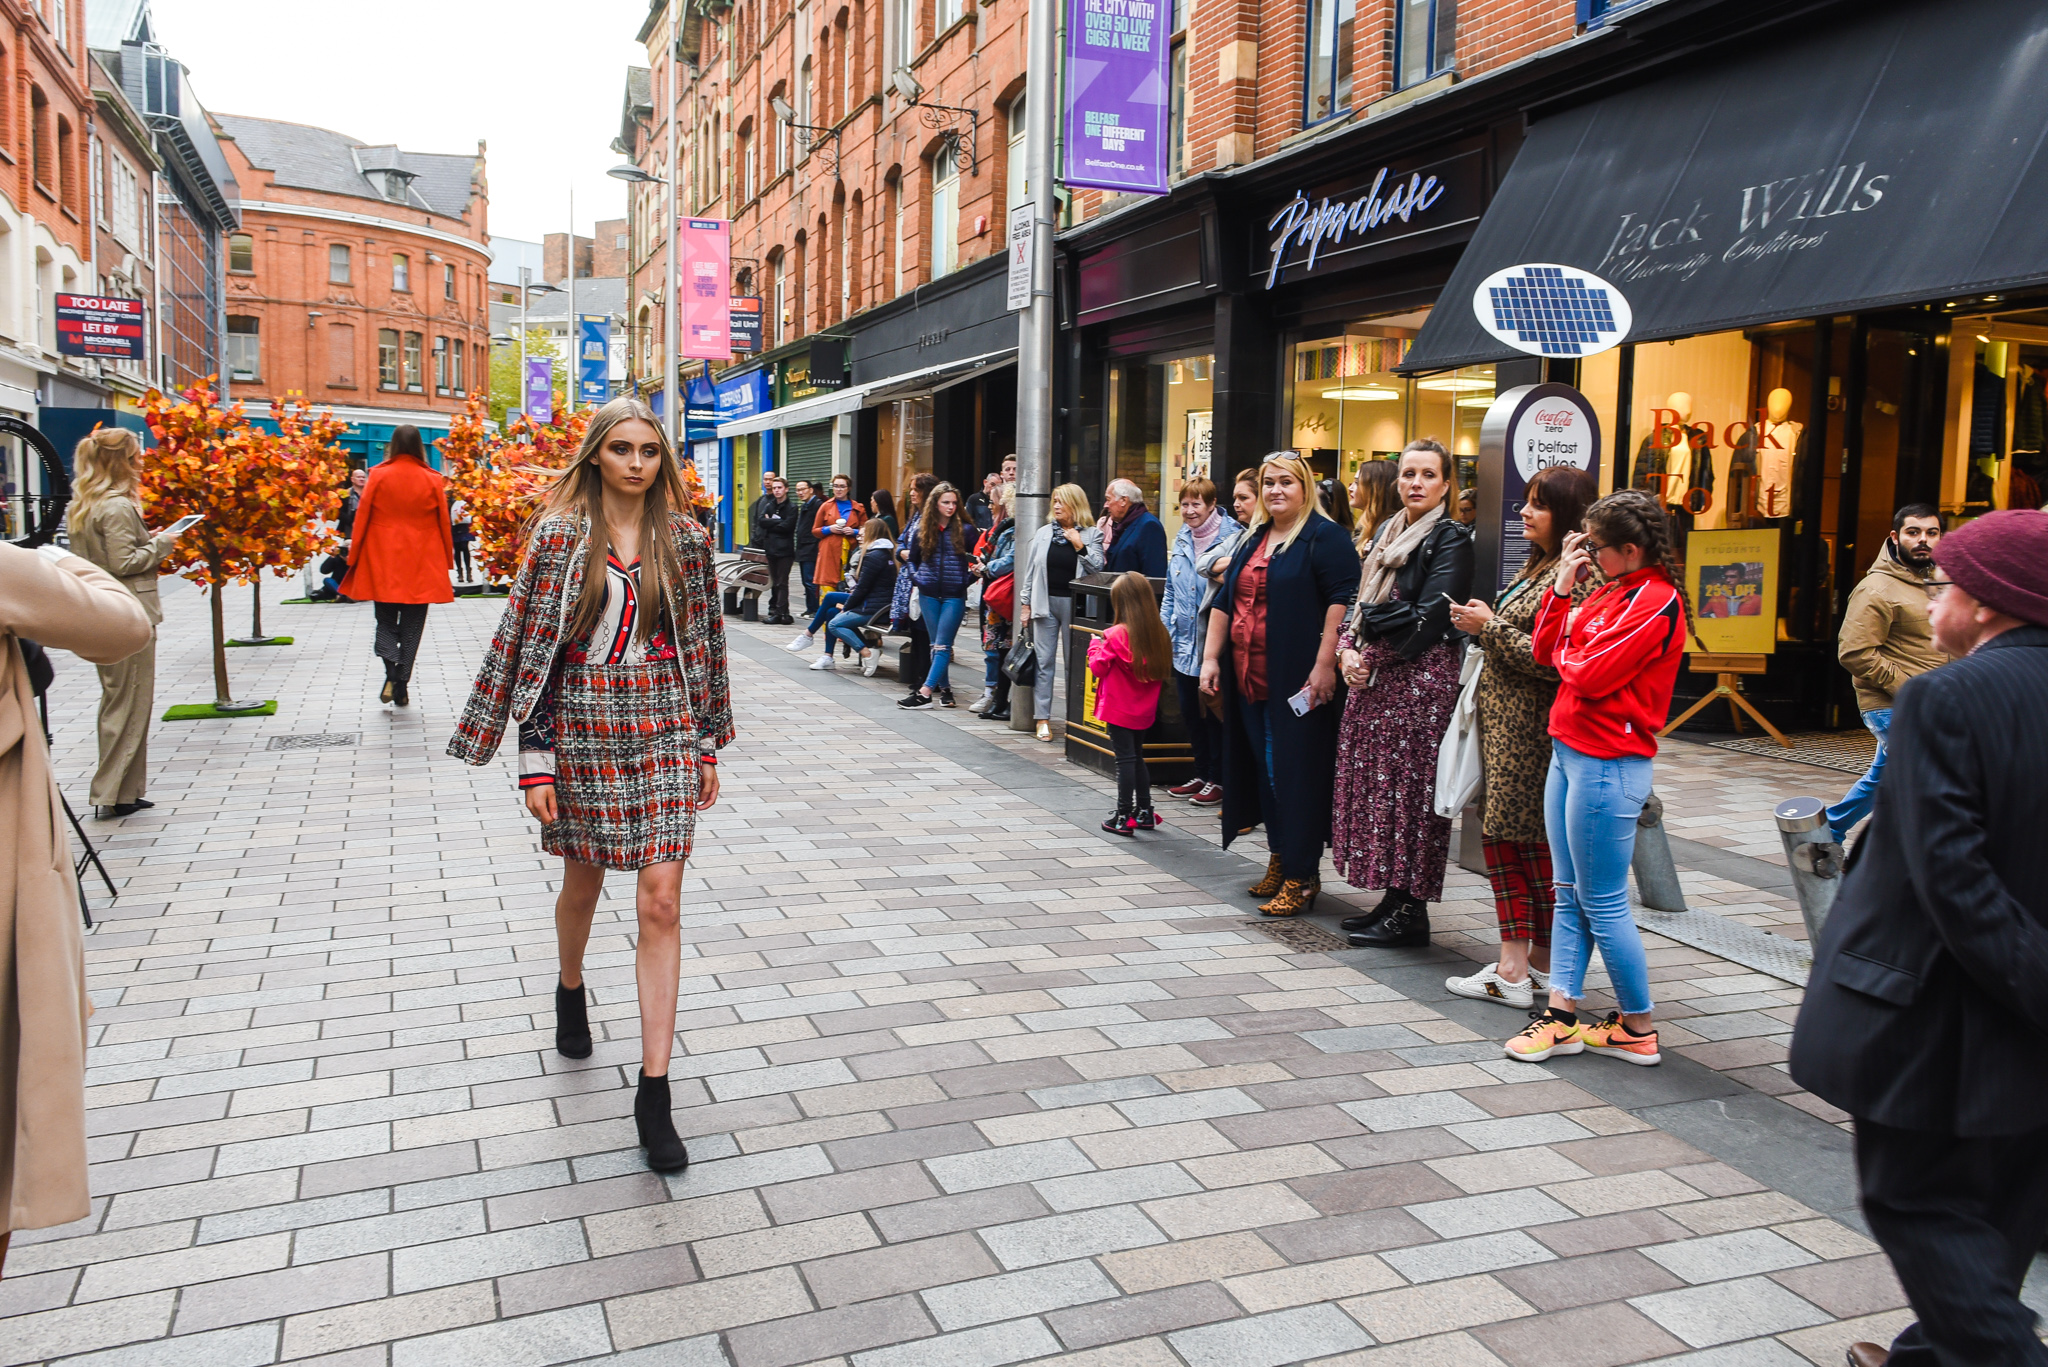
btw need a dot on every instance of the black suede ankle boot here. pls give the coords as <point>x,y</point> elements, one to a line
<point>572,1021</point>
<point>665,1151</point>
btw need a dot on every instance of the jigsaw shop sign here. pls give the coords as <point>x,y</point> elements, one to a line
<point>111,329</point>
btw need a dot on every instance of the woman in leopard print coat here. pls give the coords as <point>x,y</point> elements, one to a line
<point>1515,694</point>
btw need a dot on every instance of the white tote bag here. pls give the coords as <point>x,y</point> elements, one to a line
<point>1457,757</point>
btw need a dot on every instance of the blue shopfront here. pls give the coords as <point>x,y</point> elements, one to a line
<point>742,460</point>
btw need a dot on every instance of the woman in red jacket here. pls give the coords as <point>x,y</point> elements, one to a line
<point>1617,655</point>
<point>400,552</point>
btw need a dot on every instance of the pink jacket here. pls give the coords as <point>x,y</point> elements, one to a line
<point>1121,698</point>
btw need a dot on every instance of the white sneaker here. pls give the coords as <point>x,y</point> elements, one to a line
<point>983,703</point>
<point>1539,980</point>
<point>825,662</point>
<point>801,644</point>
<point>1487,985</point>
<point>870,661</point>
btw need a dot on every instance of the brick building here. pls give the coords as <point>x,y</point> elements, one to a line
<point>358,277</point>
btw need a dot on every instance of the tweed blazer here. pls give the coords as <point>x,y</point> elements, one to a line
<point>1515,694</point>
<point>532,633</point>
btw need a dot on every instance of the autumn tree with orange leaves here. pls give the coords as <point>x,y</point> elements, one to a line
<point>501,476</point>
<point>266,498</point>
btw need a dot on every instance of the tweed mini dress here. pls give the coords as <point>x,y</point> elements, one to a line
<point>613,732</point>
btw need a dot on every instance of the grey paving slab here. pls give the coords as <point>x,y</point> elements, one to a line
<point>965,1082</point>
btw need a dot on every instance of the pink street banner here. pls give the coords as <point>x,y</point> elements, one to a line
<point>706,288</point>
<point>1118,87</point>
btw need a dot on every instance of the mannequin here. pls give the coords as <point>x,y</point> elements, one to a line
<point>1777,456</point>
<point>1683,464</point>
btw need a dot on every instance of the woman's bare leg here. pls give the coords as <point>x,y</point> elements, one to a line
<point>575,905</point>
<point>657,963</point>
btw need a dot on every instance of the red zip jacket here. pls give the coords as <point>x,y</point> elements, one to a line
<point>1619,662</point>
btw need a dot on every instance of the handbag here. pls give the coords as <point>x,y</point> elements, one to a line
<point>1458,768</point>
<point>1020,666</point>
<point>1000,596</point>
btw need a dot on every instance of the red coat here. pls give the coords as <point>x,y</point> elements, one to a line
<point>402,548</point>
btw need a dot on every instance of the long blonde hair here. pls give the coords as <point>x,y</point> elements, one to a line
<point>106,464</point>
<point>1293,464</point>
<point>579,490</point>
<point>1074,499</point>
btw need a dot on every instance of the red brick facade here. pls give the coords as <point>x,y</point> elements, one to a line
<point>816,230</point>
<point>358,299</point>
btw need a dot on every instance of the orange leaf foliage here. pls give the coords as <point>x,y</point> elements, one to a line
<point>502,476</point>
<point>267,498</point>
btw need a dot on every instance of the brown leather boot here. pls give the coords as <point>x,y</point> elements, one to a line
<point>1295,897</point>
<point>1868,1355</point>
<point>1270,884</point>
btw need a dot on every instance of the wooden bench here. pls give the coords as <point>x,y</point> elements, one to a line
<point>741,581</point>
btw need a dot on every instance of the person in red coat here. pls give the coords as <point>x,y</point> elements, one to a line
<point>400,555</point>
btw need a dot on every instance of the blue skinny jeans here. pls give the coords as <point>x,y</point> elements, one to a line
<point>845,628</point>
<point>942,619</point>
<point>827,609</point>
<point>1589,809</point>
<point>1862,796</point>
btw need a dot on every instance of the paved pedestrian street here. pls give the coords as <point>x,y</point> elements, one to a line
<point>964,1081</point>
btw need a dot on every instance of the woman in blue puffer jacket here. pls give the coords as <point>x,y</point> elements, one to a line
<point>942,569</point>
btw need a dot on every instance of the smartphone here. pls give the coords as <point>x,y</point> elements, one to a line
<point>1585,573</point>
<point>1301,703</point>
<point>185,524</point>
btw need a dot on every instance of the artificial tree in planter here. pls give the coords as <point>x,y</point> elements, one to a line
<point>266,498</point>
<point>501,476</point>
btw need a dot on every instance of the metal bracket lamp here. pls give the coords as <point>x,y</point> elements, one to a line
<point>812,133</point>
<point>944,118</point>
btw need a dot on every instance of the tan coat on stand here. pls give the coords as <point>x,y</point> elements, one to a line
<point>72,606</point>
<point>114,538</point>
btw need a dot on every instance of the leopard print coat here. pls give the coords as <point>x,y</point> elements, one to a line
<point>1515,694</point>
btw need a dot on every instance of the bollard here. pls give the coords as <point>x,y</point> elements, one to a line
<point>1020,709</point>
<point>1813,857</point>
<point>1656,875</point>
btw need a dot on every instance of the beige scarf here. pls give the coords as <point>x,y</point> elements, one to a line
<point>1396,541</point>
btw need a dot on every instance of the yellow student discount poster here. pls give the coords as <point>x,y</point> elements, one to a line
<point>1733,580</point>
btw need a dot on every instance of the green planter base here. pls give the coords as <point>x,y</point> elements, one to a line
<point>266,641</point>
<point>203,711</point>
<point>316,602</point>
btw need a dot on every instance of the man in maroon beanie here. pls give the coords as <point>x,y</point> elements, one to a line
<point>1926,1014</point>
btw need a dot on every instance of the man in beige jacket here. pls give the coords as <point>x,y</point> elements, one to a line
<point>1886,639</point>
<point>61,601</point>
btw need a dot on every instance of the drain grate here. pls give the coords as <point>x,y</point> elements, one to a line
<point>1303,937</point>
<point>318,740</point>
<point>1746,945</point>
<point>1846,752</point>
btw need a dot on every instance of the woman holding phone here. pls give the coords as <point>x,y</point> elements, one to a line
<point>107,529</point>
<point>1401,659</point>
<point>1271,655</point>
<point>610,660</point>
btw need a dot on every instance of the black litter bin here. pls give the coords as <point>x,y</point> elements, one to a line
<point>1168,756</point>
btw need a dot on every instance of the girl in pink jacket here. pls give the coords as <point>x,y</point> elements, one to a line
<point>1129,662</point>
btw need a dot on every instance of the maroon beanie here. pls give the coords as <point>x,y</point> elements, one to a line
<point>2001,560</point>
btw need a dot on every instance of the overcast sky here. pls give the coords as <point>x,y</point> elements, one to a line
<point>539,80</point>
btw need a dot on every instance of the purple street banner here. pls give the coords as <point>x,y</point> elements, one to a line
<point>1117,93</point>
<point>706,288</point>
<point>540,389</point>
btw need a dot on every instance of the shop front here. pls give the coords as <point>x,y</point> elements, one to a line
<point>1835,252</point>
<point>743,459</point>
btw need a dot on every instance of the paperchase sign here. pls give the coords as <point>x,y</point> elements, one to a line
<point>1333,225</point>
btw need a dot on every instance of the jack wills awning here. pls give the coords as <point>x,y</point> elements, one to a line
<point>1891,158</point>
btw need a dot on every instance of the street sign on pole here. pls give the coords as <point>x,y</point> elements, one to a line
<point>1118,84</point>
<point>705,292</point>
<point>540,389</point>
<point>1020,239</point>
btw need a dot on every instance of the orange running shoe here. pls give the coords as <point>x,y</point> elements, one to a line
<point>1545,1036</point>
<point>1614,1039</point>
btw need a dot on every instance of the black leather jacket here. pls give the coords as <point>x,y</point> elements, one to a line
<point>1418,616</point>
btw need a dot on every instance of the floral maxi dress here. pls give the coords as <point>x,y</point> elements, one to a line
<point>1384,830</point>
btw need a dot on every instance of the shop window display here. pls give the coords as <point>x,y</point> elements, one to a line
<point>1346,405</point>
<point>1160,419</point>
<point>903,430</point>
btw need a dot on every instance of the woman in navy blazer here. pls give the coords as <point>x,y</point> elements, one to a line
<point>1297,569</point>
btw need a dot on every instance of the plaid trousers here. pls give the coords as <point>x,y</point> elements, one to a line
<point>1520,873</point>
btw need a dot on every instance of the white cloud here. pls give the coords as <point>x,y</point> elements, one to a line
<point>541,82</point>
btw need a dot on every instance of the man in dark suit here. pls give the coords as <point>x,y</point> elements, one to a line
<point>1926,1015</point>
<point>808,500</point>
<point>775,533</point>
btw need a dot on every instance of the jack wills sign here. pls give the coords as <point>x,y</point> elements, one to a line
<point>1832,169</point>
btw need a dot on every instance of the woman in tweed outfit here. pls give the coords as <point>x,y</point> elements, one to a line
<point>611,659</point>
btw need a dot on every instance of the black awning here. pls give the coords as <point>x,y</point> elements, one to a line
<point>1894,158</point>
